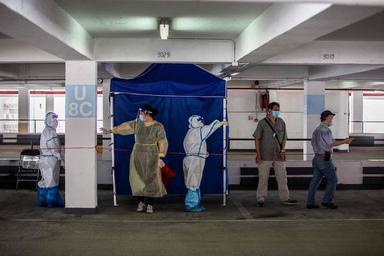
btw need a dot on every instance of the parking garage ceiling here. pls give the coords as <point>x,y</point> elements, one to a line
<point>271,40</point>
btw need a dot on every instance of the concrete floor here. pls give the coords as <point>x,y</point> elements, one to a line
<point>241,228</point>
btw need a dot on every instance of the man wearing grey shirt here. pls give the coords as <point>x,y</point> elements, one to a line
<point>270,139</point>
<point>322,143</point>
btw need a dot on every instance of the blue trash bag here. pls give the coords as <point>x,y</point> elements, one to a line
<point>42,196</point>
<point>193,201</point>
<point>53,198</point>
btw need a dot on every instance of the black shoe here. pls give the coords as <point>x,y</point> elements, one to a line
<point>312,206</point>
<point>289,202</point>
<point>329,205</point>
<point>260,203</point>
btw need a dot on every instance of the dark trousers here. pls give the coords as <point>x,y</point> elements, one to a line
<point>147,200</point>
<point>322,168</point>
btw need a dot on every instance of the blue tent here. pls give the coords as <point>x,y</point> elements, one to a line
<point>177,91</point>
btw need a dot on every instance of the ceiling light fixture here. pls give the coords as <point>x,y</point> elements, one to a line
<point>164,28</point>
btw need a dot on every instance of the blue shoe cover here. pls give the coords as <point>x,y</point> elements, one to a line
<point>200,207</point>
<point>42,196</point>
<point>53,198</point>
<point>196,209</point>
<point>192,202</point>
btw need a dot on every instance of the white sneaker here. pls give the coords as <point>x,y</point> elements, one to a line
<point>149,209</point>
<point>140,207</point>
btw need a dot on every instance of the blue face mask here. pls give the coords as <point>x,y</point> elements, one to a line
<point>141,118</point>
<point>275,114</point>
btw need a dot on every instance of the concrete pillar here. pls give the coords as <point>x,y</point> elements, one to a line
<point>23,110</point>
<point>314,104</point>
<point>337,102</point>
<point>357,111</point>
<point>49,103</point>
<point>80,136</point>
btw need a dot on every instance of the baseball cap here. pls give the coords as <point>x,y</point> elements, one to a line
<point>326,113</point>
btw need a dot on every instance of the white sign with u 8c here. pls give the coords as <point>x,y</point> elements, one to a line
<point>80,101</point>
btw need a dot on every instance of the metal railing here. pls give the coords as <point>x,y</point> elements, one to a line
<point>253,139</point>
<point>366,126</point>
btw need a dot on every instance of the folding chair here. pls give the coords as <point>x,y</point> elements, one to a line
<point>28,167</point>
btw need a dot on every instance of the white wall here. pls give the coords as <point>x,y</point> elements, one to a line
<point>9,109</point>
<point>242,111</point>
<point>292,111</point>
<point>37,110</point>
<point>373,111</point>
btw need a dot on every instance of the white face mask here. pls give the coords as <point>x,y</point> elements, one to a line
<point>141,118</point>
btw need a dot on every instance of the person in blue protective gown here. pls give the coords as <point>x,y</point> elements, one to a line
<point>50,157</point>
<point>195,147</point>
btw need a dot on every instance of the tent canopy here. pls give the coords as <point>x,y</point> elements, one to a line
<point>177,91</point>
<point>172,79</point>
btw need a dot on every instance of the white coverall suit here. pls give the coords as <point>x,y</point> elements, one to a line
<point>48,193</point>
<point>195,147</point>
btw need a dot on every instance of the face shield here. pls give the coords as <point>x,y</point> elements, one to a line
<point>141,112</point>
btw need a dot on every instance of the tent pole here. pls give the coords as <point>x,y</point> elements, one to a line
<point>113,153</point>
<point>225,191</point>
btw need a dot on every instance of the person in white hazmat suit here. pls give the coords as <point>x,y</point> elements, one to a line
<point>195,147</point>
<point>50,157</point>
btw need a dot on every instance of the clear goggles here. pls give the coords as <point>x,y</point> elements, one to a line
<point>200,119</point>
